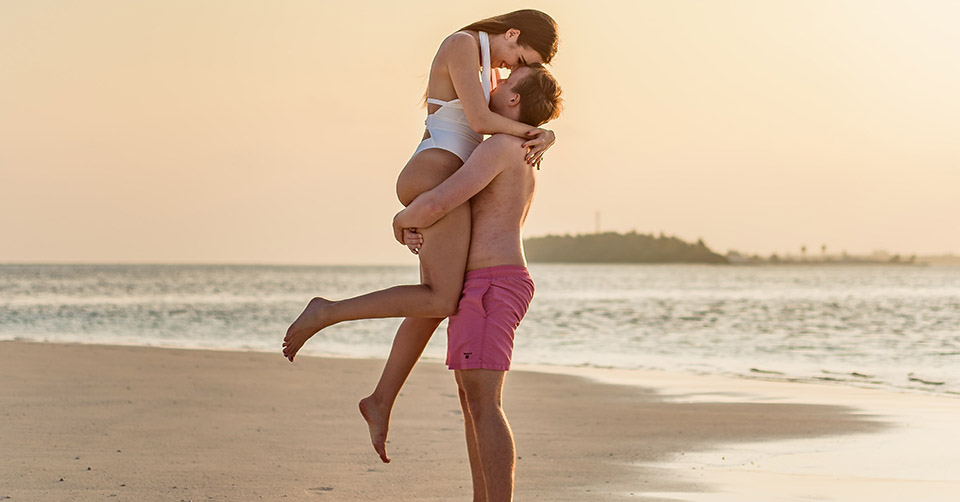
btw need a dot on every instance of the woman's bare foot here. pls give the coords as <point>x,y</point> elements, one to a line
<point>378,421</point>
<point>307,324</point>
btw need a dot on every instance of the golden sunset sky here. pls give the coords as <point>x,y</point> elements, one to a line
<point>272,132</point>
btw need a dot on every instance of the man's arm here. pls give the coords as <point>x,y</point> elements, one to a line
<point>487,161</point>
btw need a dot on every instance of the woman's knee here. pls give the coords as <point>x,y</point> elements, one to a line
<point>449,305</point>
<point>442,303</point>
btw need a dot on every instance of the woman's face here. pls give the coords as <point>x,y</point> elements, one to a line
<point>505,52</point>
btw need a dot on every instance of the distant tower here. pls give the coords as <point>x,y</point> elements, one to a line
<point>597,222</point>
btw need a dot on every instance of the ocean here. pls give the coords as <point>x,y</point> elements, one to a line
<point>895,327</point>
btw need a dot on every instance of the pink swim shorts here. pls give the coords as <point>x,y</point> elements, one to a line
<point>494,300</point>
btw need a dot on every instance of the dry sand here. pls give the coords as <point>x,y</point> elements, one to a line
<point>87,422</point>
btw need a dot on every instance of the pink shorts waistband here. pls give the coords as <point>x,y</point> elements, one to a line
<point>497,272</point>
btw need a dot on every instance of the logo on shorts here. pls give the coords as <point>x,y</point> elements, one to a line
<point>466,355</point>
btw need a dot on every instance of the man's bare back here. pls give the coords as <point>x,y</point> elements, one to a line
<point>500,209</point>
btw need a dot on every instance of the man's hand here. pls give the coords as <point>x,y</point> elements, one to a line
<point>407,236</point>
<point>398,228</point>
<point>412,239</point>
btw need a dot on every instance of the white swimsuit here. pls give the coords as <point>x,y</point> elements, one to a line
<point>448,126</point>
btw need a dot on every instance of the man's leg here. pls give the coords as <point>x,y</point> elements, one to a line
<point>473,453</point>
<point>483,390</point>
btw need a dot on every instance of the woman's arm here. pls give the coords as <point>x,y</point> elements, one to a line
<point>458,54</point>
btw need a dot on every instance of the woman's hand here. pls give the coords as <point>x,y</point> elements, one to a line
<point>412,239</point>
<point>542,140</point>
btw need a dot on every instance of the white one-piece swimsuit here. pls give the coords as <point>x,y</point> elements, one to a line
<point>448,126</point>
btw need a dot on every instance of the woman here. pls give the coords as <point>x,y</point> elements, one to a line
<point>457,117</point>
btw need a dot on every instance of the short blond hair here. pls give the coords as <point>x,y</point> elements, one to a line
<point>539,96</point>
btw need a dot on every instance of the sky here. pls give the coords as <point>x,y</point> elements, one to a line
<point>172,131</point>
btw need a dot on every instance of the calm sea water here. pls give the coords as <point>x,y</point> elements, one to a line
<point>861,325</point>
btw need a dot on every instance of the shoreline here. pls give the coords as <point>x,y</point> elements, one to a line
<point>228,425</point>
<point>828,378</point>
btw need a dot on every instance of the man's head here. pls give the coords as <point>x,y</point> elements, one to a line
<point>531,95</point>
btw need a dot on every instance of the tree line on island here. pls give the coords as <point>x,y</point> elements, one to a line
<point>613,247</point>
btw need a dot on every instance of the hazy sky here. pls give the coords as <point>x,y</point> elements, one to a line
<point>272,132</point>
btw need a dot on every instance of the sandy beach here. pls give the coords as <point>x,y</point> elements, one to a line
<point>90,422</point>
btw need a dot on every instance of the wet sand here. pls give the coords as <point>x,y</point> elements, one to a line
<point>89,422</point>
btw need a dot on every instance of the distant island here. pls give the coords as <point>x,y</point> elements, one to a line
<point>612,247</point>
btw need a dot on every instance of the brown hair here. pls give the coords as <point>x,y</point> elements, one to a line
<point>539,96</point>
<point>538,31</point>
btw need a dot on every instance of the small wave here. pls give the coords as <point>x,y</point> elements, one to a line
<point>852,373</point>
<point>912,378</point>
<point>766,372</point>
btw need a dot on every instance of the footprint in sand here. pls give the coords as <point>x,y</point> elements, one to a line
<point>319,490</point>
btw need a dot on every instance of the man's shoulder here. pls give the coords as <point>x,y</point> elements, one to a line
<point>505,146</point>
<point>505,139</point>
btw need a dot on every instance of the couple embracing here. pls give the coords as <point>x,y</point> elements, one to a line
<point>466,201</point>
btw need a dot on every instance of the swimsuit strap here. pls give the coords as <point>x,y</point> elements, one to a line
<point>434,101</point>
<point>485,77</point>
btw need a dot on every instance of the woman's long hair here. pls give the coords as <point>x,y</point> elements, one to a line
<point>537,30</point>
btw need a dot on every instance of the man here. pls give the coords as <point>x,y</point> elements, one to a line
<point>497,288</point>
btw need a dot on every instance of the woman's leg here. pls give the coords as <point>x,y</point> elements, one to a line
<point>442,265</point>
<point>408,345</point>
<point>443,258</point>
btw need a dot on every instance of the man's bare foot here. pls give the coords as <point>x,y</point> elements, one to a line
<point>307,324</point>
<point>378,421</point>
